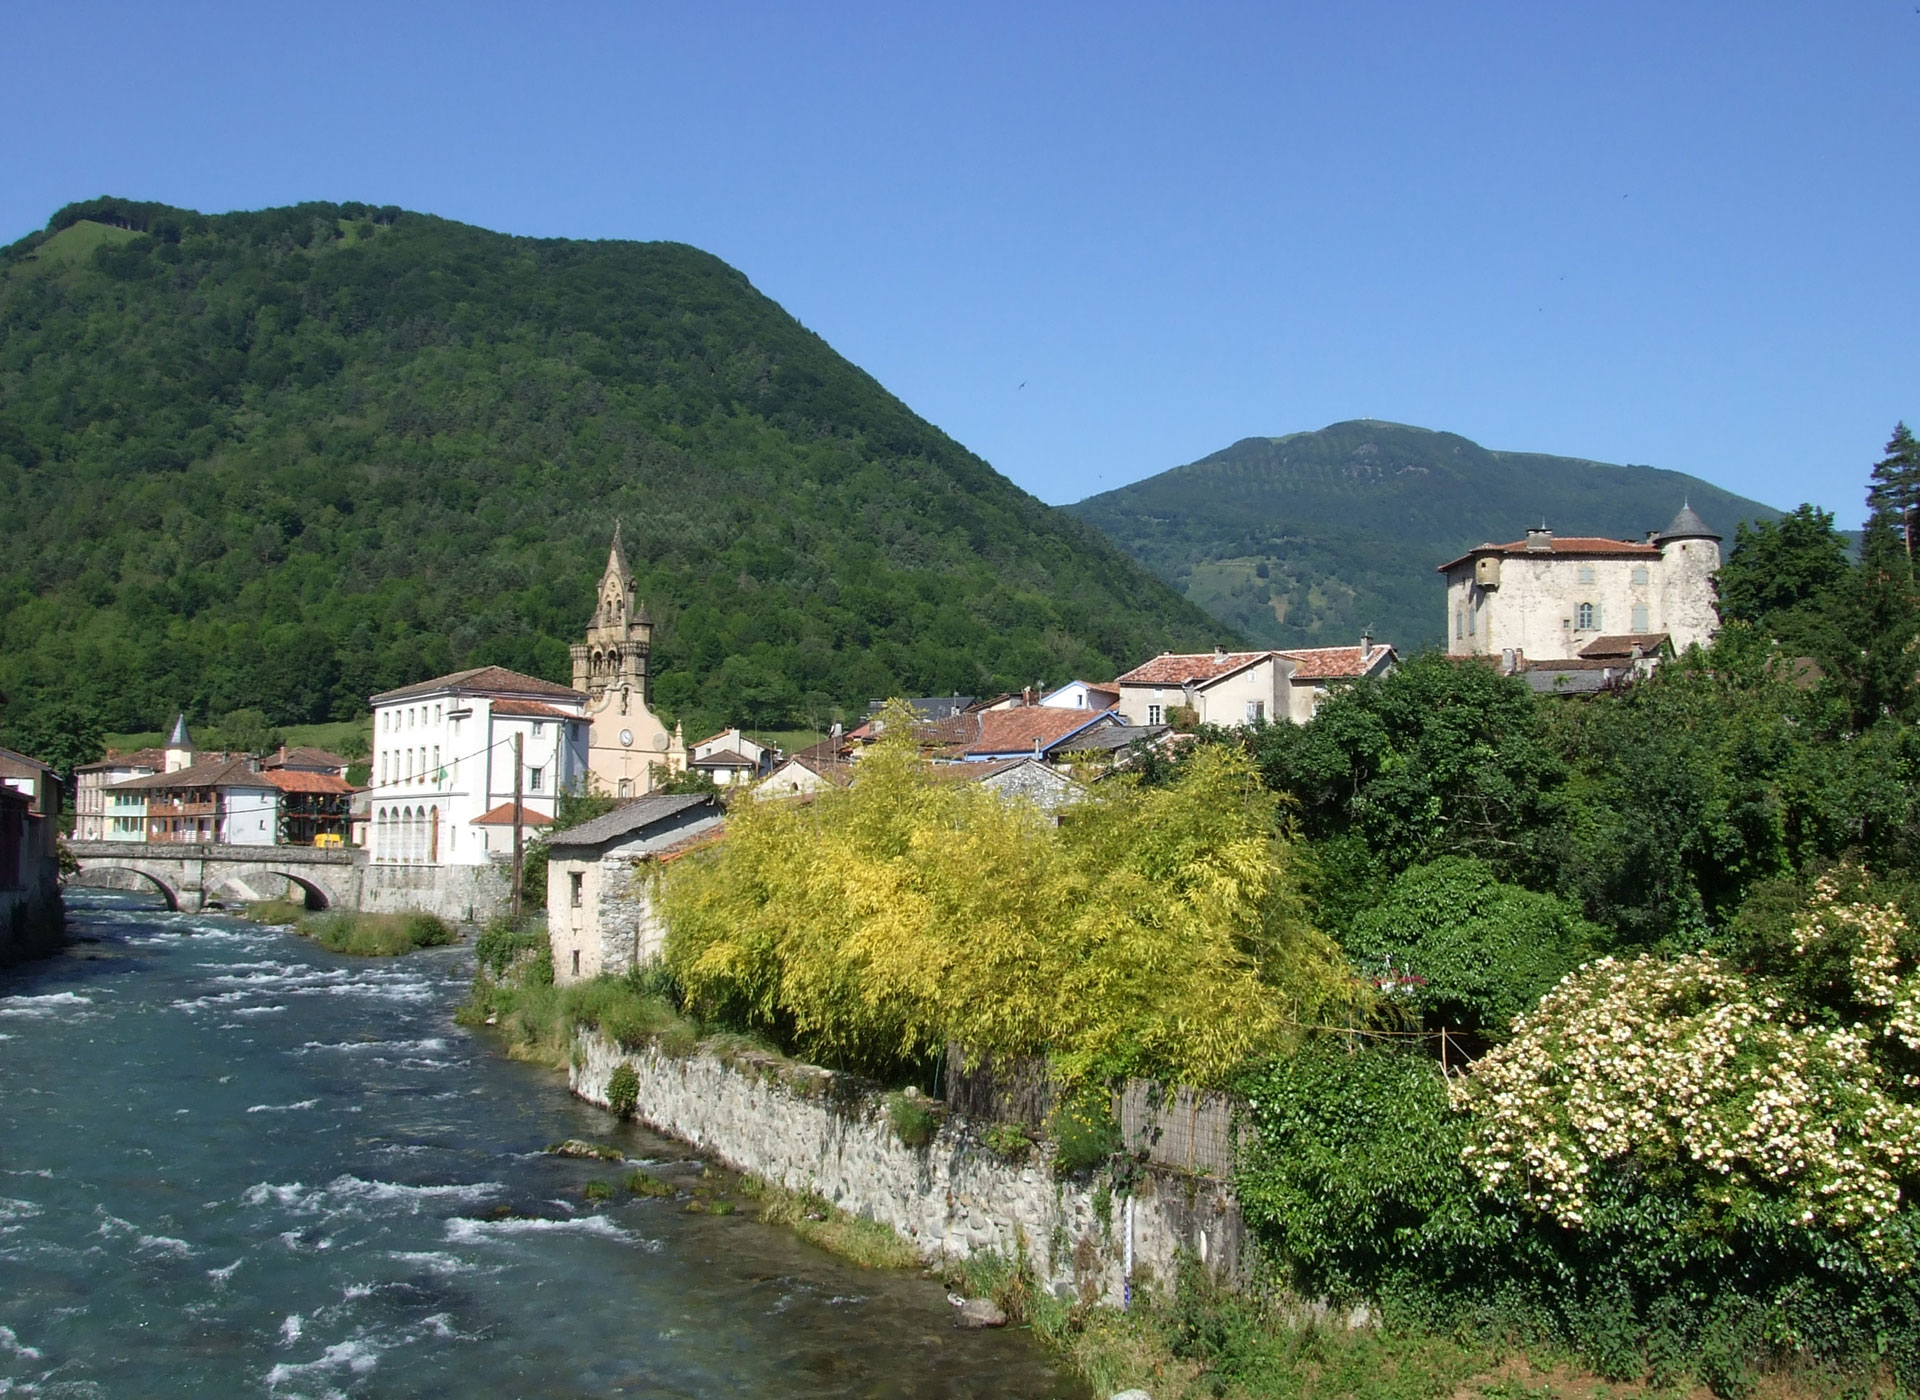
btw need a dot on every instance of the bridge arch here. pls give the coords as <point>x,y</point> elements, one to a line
<point>159,885</point>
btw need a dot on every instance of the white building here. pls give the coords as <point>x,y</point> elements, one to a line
<point>1231,688</point>
<point>730,757</point>
<point>1082,695</point>
<point>442,782</point>
<point>100,815</point>
<point>1545,598</point>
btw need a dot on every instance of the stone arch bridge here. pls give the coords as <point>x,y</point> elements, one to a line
<point>188,877</point>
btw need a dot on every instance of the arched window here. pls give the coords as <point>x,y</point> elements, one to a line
<point>1583,616</point>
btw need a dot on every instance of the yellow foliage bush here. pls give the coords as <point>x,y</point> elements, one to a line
<point>1155,932</point>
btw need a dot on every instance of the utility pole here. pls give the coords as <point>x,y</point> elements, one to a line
<point>519,849</point>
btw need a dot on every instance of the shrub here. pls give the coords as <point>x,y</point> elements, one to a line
<point>374,935</point>
<point>1083,1129</point>
<point>597,1191</point>
<point>623,1089</point>
<point>429,931</point>
<point>276,911</point>
<point>501,942</point>
<point>914,1122</point>
<point>1008,1140</point>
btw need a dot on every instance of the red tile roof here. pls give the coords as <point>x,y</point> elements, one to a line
<point>1034,728</point>
<point>1625,645</point>
<point>533,709</point>
<point>214,771</point>
<point>726,758</point>
<point>1335,663</point>
<point>1201,668</point>
<point>1590,545</point>
<point>300,780</point>
<point>483,680</point>
<point>139,758</point>
<point>503,816</point>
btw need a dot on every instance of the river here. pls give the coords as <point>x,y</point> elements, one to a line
<point>234,1164</point>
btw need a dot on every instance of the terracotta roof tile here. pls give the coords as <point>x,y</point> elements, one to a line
<point>1590,545</point>
<point>483,680</point>
<point>300,780</point>
<point>532,709</point>
<point>1334,663</point>
<point>1034,728</point>
<point>1199,668</point>
<point>219,770</point>
<point>139,758</point>
<point>726,758</point>
<point>1625,644</point>
<point>503,816</point>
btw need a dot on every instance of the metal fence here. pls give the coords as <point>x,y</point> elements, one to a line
<point>1178,1126</point>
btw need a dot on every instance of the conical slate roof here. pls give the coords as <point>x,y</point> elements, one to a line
<point>1688,525</point>
<point>180,739</point>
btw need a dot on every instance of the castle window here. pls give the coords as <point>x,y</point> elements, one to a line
<point>1473,619</point>
<point>1583,617</point>
<point>1459,623</point>
<point>1640,621</point>
<point>1640,573</point>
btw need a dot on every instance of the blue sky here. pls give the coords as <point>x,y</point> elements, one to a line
<point>1683,235</point>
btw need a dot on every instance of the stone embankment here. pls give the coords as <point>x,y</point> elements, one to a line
<point>809,1129</point>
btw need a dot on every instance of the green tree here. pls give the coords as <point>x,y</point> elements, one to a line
<point>1784,577</point>
<point>1470,952</point>
<point>62,733</point>
<point>1895,484</point>
<point>1880,621</point>
<point>247,731</point>
<point>1439,758</point>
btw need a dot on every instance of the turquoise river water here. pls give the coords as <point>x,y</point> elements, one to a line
<point>233,1164</point>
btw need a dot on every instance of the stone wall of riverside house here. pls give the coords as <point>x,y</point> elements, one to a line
<point>810,1129</point>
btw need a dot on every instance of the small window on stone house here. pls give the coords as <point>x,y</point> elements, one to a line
<point>1640,619</point>
<point>1584,617</point>
<point>1153,714</point>
<point>576,894</point>
<point>1586,573</point>
<point>1639,574</point>
<point>1256,711</point>
<point>1459,623</point>
<point>576,962</point>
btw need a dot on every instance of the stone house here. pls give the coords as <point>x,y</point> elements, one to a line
<point>1549,598</point>
<point>1233,688</point>
<point>600,914</point>
<point>1017,779</point>
<point>804,775</point>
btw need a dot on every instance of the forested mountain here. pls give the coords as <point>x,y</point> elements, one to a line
<point>288,458</point>
<point>1307,539</point>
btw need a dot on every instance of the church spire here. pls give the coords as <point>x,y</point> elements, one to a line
<point>617,560</point>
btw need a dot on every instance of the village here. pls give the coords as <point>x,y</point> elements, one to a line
<point>467,771</point>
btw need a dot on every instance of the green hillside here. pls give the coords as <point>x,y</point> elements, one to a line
<point>288,458</point>
<point>1308,539</point>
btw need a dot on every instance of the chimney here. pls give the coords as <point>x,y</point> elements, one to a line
<point>1219,654</point>
<point>1541,538</point>
<point>1366,645</point>
<point>1026,696</point>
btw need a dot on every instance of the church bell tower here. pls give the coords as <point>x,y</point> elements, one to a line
<point>628,748</point>
<point>614,655</point>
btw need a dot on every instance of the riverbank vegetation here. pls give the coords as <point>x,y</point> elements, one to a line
<point>1582,1030</point>
<point>355,933</point>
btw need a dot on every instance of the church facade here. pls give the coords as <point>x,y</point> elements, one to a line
<point>626,743</point>
<point>1554,598</point>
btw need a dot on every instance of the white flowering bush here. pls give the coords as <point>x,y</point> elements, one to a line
<point>1689,1076</point>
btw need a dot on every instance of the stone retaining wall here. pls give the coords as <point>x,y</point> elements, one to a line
<point>810,1129</point>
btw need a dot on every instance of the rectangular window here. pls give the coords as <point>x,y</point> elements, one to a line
<point>1473,619</point>
<point>1586,573</point>
<point>534,776</point>
<point>1583,617</point>
<point>1153,714</point>
<point>538,729</point>
<point>1640,573</point>
<point>1459,623</point>
<point>436,714</point>
<point>1640,618</point>
<point>576,962</point>
<point>1256,711</point>
<point>436,756</point>
<point>576,892</point>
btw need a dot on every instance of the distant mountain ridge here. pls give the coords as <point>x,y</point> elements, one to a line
<point>1307,539</point>
<point>287,458</point>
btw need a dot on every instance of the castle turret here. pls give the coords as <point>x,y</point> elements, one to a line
<point>1689,558</point>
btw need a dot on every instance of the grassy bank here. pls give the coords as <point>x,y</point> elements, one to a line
<point>359,935</point>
